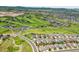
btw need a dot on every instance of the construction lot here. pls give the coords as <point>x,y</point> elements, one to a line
<point>10,13</point>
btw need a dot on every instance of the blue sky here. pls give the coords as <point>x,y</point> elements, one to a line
<point>41,3</point>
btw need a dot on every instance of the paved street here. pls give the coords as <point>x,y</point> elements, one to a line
<point>73,50</point>
<point>34,47</point>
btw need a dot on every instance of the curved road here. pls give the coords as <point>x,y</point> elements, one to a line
<point>33,45</point>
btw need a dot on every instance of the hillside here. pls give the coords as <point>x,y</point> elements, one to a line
<point>25,21</point>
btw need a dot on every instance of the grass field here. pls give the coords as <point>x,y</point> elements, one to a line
<point>14,45</point>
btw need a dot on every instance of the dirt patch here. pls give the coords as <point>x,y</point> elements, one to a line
<point>11,13</point>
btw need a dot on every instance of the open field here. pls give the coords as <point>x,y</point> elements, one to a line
<point>14,44</point>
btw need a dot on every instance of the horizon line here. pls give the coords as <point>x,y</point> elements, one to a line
<point>69,7</point>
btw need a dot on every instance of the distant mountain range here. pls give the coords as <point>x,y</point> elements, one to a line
<point>19,8</point>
